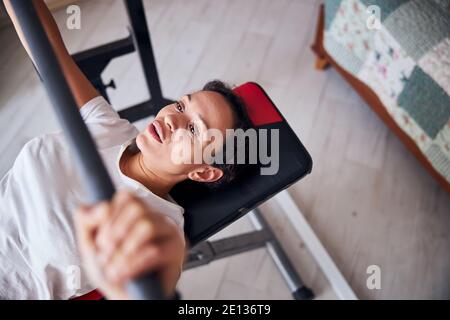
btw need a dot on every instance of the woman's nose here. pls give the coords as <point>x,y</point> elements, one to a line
<point>170,122</point>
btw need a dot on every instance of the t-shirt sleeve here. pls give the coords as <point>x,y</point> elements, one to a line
<point>105,124</point>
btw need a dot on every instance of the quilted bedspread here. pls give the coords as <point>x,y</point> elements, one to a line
<point>401,50</point>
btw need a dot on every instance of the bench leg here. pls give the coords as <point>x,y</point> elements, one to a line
<point>298,289</point>
<point>321,63</point>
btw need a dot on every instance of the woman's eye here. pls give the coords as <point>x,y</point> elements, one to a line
<point>179,107</point>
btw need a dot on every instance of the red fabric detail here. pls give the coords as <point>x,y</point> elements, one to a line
<point>259,107</point>
<point>93,295</point>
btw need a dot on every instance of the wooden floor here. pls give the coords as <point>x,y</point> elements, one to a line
<point>368,199</point>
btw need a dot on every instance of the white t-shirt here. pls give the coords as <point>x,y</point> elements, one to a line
<point>38,253</point>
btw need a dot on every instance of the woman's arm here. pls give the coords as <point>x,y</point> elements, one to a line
<point>80,86</point>
<point>123,239</point>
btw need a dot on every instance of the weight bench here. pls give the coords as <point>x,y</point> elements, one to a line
<point>207,211</point>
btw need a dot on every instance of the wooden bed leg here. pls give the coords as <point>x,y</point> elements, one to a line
<point>321,62</point>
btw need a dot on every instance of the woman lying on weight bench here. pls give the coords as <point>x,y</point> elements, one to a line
<point>41,191</point>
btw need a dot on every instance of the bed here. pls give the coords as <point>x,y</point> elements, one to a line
<point>396,55</point>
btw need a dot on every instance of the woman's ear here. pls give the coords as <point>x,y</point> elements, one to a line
<point>205,174</point>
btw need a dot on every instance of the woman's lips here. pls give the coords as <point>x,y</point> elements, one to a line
<point>155,131</point>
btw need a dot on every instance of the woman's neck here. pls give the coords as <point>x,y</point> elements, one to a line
<point>132,165</point>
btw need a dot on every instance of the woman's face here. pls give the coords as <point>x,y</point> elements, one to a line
<point>179,130</point>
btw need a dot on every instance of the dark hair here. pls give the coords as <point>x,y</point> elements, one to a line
<point>241,121</point>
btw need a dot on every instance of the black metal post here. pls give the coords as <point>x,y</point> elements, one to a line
<point>136,14</point>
